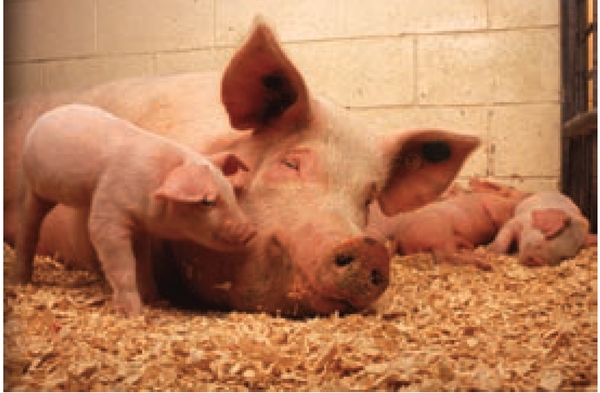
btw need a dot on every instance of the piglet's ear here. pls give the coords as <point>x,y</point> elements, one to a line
<point>551,222</point>
<point>421,165</point>
<point>188,183</point>
<point>481,185</point>
<point>261,86</point>
<point>229,163</point>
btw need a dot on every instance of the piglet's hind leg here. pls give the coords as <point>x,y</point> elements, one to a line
<point>460,252</point>
<point>33,209</point>
<point>114,248</point>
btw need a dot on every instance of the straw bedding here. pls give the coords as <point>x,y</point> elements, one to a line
<point>436,328</point>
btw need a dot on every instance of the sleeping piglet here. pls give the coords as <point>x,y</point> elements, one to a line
<point>135,184</point>
<point>547,228</point>
<point>449,228</point>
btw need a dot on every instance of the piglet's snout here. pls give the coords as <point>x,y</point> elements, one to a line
<point>238,232</point>
<point>362,265</point>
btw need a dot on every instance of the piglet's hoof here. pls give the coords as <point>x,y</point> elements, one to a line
<point>482,264</point>
<point>128,304</point>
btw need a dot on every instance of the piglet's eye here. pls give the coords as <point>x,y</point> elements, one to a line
<point>208,202</point>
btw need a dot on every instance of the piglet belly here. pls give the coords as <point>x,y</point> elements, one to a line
<point>424,236</point>
<point>476,232</point>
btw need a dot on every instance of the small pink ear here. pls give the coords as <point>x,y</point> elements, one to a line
<point>188,183</point>
<point>229,163</point>
<point>454,190</point>
<point>551,222</point>
<point>481,185</point>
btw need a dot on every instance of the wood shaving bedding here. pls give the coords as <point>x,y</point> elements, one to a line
<point>437,327</point>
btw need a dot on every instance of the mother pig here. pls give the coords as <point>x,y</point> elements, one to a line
<point>313,171</point>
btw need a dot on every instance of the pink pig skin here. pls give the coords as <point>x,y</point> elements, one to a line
<point>547,228</point>
<point>313,169</point>
<point>134,183</point>
<point>451,227</point>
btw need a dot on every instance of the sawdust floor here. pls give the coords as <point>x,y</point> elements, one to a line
<point>436,328</point>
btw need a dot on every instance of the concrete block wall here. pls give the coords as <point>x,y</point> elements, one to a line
<point>484,67</point>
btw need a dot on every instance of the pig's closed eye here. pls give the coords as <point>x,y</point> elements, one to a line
<point>291,163</point>
<point>206,202</point>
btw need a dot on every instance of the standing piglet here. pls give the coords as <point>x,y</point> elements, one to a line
<point>547,228</point>
<point>135,184</point>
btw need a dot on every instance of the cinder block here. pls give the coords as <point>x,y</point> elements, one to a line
<point>386,17</point>
<point>48,29</point>
<point>359,73</point>
<point>193,61</point>
<point>462,120</point>
<point>518,13</point>
<point>137,26</point>
<point>528,184</point>
<point>526,140</point>
<point>22,79</point>
<point>83,73</point>
<point>481,68</point>
<point>292,20</point>
<point>315,19</point>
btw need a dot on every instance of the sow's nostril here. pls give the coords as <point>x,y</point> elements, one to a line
<point>377,278</point>
<point>362,273</point>
<point>344,259</point>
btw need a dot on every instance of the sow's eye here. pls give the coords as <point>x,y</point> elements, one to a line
<point>297,164</point>
<point>291,162</point>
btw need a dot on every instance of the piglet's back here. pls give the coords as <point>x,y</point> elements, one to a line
<point>67,149</point>
<point>546,200</point>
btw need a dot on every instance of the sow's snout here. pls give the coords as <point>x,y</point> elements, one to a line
<point>358,271</point>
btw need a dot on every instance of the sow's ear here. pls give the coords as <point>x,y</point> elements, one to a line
<point>421,165</point>
<point>261,86</point>
<point>188,183</point>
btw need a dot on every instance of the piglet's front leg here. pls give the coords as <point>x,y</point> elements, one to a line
<point>113,245</point>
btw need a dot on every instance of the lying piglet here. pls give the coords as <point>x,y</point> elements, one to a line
<point>449,228</point>
<point>134,183</point>
<point>547,227</point>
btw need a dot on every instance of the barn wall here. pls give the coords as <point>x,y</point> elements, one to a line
<point>485,67</point>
